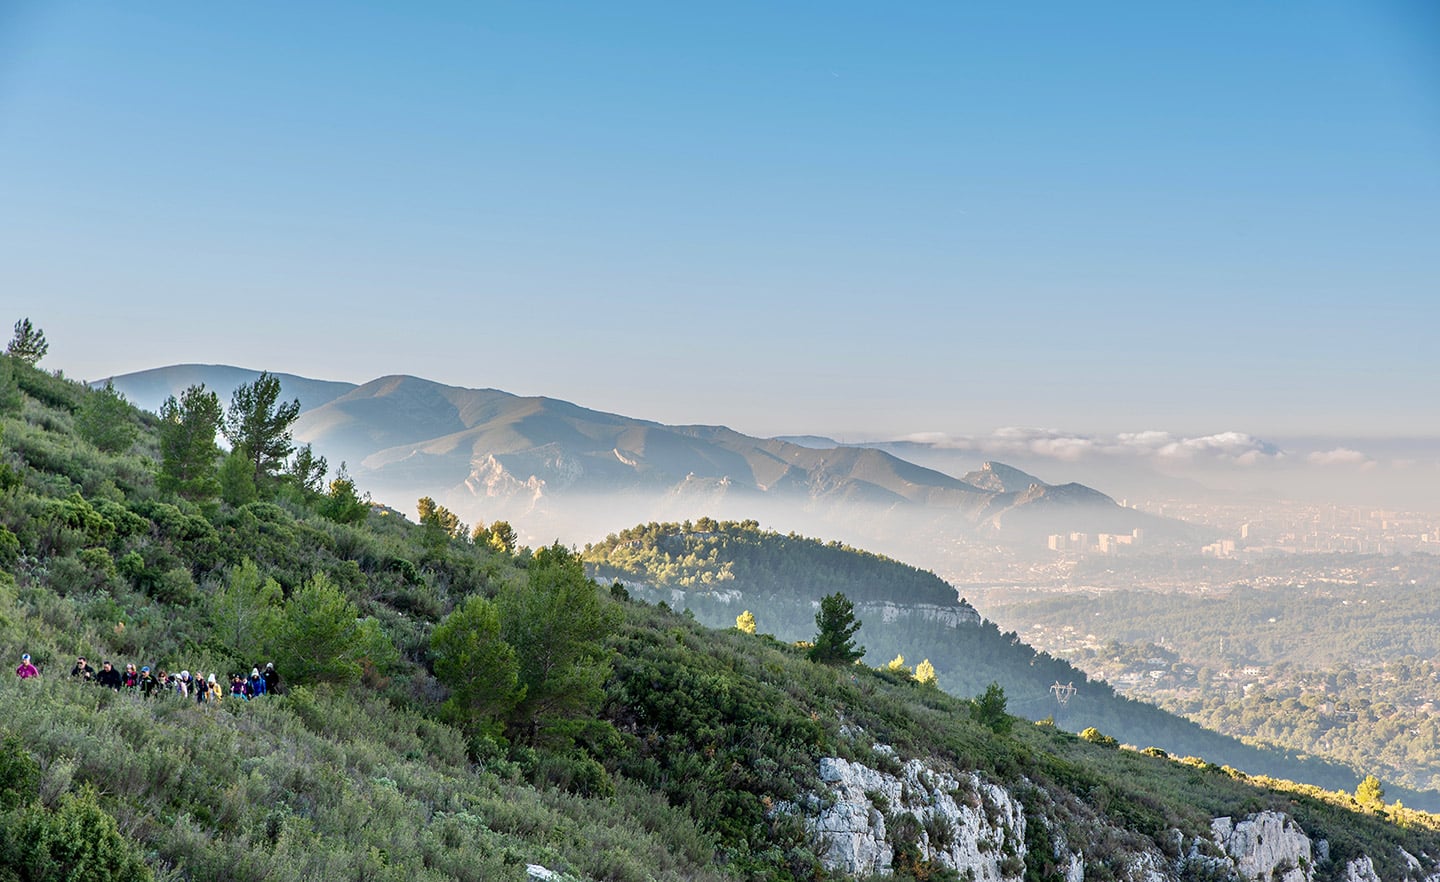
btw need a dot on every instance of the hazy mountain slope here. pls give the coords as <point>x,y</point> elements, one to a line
<point>148,389</point>
<point>1000,478</point>
<point>489,454</point>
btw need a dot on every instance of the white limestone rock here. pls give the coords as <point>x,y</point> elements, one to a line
<point>958,616</point>
<point>1147,866</point>
<point>1268,846</point>
<point>979,826</point>
<point>1362,869</point>
<point>1075,870</point>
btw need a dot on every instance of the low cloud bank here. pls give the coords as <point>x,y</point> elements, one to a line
<point>1236,448</point>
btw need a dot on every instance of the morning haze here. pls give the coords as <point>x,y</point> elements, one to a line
<point>1074,361</point>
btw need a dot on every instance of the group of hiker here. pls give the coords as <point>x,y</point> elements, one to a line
<point>143,681</point>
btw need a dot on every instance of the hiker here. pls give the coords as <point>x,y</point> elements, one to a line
<point>149,684</point>
<point>82,669</point>
<point>182,684</point>
<point>238,689</point>
<point>26,670</point>
<point>131,678</point>
<point>256,683</point>
<point>108,677</point>
<point>272,679</point>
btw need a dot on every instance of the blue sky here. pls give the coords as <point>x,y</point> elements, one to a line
<point>858,219</point>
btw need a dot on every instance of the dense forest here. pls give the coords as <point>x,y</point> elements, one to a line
<point>451,706</point>
<point>738,555</point>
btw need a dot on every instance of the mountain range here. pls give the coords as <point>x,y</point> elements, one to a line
<point>552,465</point>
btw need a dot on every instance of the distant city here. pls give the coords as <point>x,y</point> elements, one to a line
<point>1253,530</point>
<point>1297,528</point>
<point>1259,544</point>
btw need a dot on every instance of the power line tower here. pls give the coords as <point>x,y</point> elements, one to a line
<point>1063,694</point>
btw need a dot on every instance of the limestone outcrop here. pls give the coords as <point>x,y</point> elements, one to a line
<point>1268,846</point>
<point>957,821</point>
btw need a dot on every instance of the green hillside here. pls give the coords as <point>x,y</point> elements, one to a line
<point>739,556</point>
<point>717,569</point>
<point>454,708</point>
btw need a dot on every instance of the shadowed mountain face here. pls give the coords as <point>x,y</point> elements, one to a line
<point>489,454</point>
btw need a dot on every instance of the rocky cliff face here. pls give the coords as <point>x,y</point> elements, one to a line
<point>1268,846</point>
<point>958,616</point>
<point>957,821</point>
<point>877,818</point>
<point>489,477</point>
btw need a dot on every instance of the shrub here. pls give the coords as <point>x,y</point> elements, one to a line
<point>68,575</point>
<point>175,585</point>
<point>19,774</point>
<point>80,840</point>
<point>323,639</point>
<point>9,548</point>
<point>1095,736</point>
<point>989,710</point>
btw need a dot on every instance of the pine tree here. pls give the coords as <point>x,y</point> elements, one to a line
<point>342,504</point>
<point>245,610</point>
<point>260,423</point>
<point>480,668</point>
<point>834,643</point>
<point>104,420</point>
<point>307,471</point>
<point>28,344</point>
<point>558,624</point>
<point>188,451</point>
<point>989,709</point>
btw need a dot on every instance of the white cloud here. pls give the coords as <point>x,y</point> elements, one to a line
<point>1236,447</point>
<point>1340,456</point>
<point>1231,447</point>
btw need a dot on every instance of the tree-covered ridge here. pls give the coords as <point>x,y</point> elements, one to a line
<point>605,738</point>
<point>782,598</point>
<point>739,555</point>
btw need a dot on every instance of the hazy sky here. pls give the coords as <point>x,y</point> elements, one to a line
<point>857,219</point>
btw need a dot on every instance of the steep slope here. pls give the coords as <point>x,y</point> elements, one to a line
<point>1000,478</point>
<point>646,746</point>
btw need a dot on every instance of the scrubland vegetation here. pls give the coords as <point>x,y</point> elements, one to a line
<point>454,708</point>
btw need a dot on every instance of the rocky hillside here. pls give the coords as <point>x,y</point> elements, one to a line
<point>460,709</point>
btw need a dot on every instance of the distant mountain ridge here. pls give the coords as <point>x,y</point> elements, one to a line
<point>148,389</point>
<point>489,453</point>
